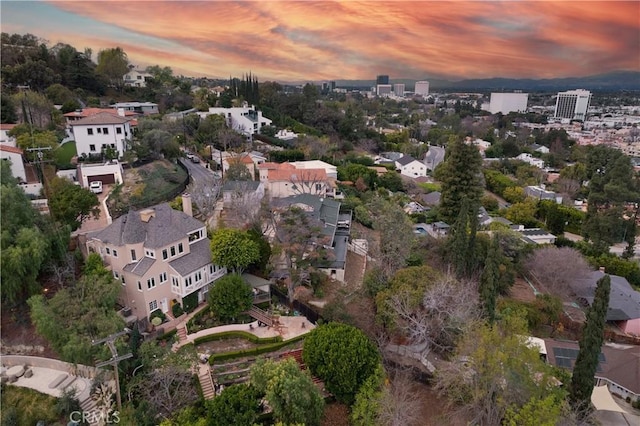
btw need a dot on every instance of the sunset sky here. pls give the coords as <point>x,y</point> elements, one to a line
<point>297,41</point>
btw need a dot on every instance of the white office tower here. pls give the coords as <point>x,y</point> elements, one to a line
<point>398,89</point>
<point>508,102</point>
<point>422,88</point>
<point>383,89</point>
<point>573,104</point>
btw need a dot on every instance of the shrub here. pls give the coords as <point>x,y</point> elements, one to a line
<point>177,310</point>
<point>190,302</point>
<point>262,349</point>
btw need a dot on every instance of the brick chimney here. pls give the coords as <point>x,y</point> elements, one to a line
<point>187,207</point>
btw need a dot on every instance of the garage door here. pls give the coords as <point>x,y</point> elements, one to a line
<point>106,179</point>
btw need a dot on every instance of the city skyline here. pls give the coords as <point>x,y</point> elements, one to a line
<point>297,41</point>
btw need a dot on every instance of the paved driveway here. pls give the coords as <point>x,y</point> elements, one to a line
<point>91,224</point>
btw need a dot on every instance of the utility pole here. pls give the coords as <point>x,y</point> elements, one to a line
<point>115,359</point>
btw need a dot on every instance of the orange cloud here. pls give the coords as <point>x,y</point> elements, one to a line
<point>333,40</point>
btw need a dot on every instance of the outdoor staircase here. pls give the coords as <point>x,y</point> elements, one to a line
<point>88,405</point>
<point>297,355</point>
<point>206,383</point>
<point>182,334</point>
<point>261,315</point>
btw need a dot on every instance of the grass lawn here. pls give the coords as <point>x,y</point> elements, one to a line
<point>27,406</point>
<point>64,153</point>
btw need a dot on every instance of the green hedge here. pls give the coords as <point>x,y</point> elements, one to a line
<point>263,349</point>
<point>237,334</point>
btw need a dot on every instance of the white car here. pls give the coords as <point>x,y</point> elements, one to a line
<point>96,187</point>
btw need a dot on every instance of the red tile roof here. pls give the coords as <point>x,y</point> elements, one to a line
<point>297,175</point>
<point>12,149</point>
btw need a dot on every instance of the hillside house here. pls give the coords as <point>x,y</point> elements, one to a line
<point>411,167</point>
<point>98,132</point>
<point>160,255</point>
<point>247,120</point>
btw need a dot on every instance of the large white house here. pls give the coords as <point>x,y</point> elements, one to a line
<point>136,78</point>
<point>100,131</point>
<point>159,255</point>
<point>411,167</point>
<point>246,119</point>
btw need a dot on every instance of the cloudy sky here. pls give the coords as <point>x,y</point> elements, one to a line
<point>306,40</point>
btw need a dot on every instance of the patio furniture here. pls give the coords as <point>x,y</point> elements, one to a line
<point>16,371</point>
<point>28,373</point>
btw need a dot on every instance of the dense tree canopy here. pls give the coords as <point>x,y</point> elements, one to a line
<point>71,204</point>
<point>342,356</point>
<point>75,316</point>
<point>289,391</point>
<point>234,249</point>
<point>230,296</point>
<point>237,405</point>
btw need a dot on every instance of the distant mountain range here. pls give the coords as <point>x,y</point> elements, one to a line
<point>613,81</point>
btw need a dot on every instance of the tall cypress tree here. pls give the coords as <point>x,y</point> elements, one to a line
<point>582,381</point>
<point>459,242</point>
<point>490,279</point>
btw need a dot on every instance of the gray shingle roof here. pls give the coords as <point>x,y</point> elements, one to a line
<point>199,257</point>
<point>404,160</point>
<point>141,267</point>
<point>624,301</point>
<point>432,198</point>
<point>166,227</point>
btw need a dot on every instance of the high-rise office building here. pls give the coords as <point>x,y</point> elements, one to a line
<point>422,88</point>
<point>384,89</point>
<point>382,79</point>
<point>508,102</point>
<point>572,104</point>
<point>398,89</point>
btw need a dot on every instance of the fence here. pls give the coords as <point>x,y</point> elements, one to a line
<point>303,308</point>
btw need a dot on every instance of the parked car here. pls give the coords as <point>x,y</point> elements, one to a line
<point>195,159</point>
<point>96,187</point>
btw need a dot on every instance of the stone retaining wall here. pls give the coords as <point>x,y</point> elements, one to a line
<point>79,370</point>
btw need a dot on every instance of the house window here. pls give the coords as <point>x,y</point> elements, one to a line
<point>153,305</point>
<point>175,283</point>
<point>108,250</point>
<point>213,269</point>
<point>105,130</point>
<point>151,283</point>
<point>139,286</point>
<point>133,256</point>
<point>188,282</point>
<point>150,253</point>
<point>119,130</point>
<point>115,253</point>
<point>90,132</point>
<point>194,236</point>
<point>198,276</point>
<point>318,187</point>
<point>163,277</point>
<point>116,275</point>
<point>173,251</point>
<point>122,279</point>
<point>99,130</point>
<point>180,248</point>
<point>92,147</point>
<point>164,254</point>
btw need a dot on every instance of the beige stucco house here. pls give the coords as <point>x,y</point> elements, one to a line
<point>289,179</point>
<point>159,255</point>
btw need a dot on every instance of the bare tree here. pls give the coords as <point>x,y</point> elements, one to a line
<point>557,268</point>
<point>205,194</point>
<point>400,405</point>
<point>168,389</point>
<point>243,204</point>
<point>441,318</point>
<point>64,270</point>
<point>570,187</point>
<point>309,181</point>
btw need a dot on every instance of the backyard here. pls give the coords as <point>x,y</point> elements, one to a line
<point>64,153</point>
<point>23,406</point>
<point>147,185</point>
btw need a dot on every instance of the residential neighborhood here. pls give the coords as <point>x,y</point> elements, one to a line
<point>181,251</point>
